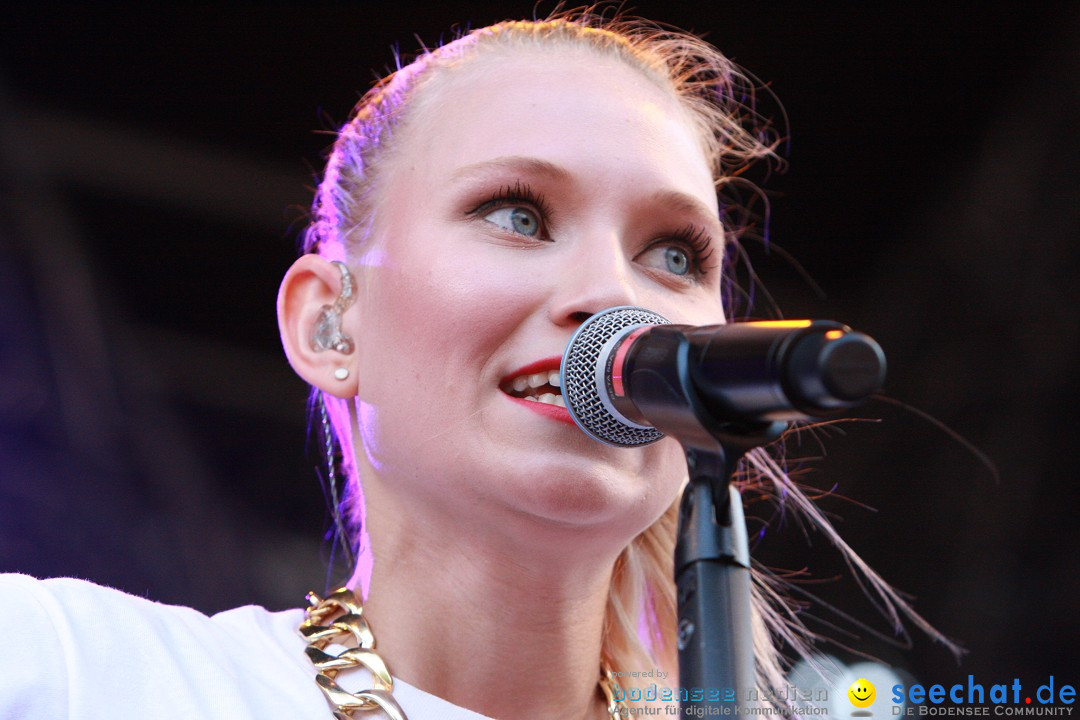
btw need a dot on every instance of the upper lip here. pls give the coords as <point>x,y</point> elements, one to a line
<point>543,365</point>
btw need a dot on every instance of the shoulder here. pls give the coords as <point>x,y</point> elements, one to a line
<point>98,652</point>
<point>111,625</point>
<point>70,648</point>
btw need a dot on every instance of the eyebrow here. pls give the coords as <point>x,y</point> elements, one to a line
<point>684,203</point>
<point>527,165</point>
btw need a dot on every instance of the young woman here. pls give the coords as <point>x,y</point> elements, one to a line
<point>480,204</point>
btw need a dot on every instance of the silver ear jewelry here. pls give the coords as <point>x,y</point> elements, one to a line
<point>342,373</point>
<point>327,334</point>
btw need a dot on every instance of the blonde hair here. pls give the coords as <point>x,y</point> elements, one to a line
<point>640,625</point>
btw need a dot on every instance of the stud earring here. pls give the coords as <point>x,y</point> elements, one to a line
<point>327,333</point>
<point>341,373</point>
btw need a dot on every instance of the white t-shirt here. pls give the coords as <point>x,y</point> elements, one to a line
<point>72,649</point>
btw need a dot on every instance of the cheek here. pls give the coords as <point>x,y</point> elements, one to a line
<point>671,464</point>
<point>698,308</point>
<point>438,314</point>
<point>470,290</point>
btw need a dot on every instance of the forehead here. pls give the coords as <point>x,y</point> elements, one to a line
<point>590,114</point>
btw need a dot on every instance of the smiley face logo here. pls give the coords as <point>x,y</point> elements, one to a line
<point>862,693</point>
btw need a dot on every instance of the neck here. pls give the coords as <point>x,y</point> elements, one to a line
<point>487,623</point>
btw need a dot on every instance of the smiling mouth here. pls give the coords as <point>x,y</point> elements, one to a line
<point>542,387</point>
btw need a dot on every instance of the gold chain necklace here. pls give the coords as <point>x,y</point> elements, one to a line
<point>339,619</point>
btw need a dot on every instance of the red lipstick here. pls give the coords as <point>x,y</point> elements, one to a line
<point>544,365</point>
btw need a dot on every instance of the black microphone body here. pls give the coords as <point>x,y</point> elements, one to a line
<point>753,371</point>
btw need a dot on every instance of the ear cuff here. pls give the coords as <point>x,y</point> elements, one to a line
<point>327,333</point>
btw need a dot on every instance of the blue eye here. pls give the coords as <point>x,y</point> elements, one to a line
<point>676,260</point>
<point>520,220</point>
<point>681,255</point>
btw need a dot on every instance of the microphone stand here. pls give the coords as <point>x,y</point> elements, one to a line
<point>712,575</point>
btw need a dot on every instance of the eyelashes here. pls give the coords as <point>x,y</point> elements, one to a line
<point>700,244</point>
<point>522,212</point>
<point>516,196</point>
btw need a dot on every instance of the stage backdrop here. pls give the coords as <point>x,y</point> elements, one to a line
<point>154,169</point>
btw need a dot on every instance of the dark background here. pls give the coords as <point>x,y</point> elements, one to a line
<point>154,170</point>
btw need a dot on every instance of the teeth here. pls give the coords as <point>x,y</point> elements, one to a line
<point>547,384</point>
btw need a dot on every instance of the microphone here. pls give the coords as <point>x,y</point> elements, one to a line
<point>629,376</point>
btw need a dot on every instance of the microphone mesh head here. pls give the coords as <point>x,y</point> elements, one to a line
<point>579,383</point>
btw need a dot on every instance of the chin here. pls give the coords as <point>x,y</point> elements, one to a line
<point>598,498</point>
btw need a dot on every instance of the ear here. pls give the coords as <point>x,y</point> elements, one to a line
<point>311,284</point>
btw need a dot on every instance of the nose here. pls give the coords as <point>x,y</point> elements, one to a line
<point>598,275</point>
